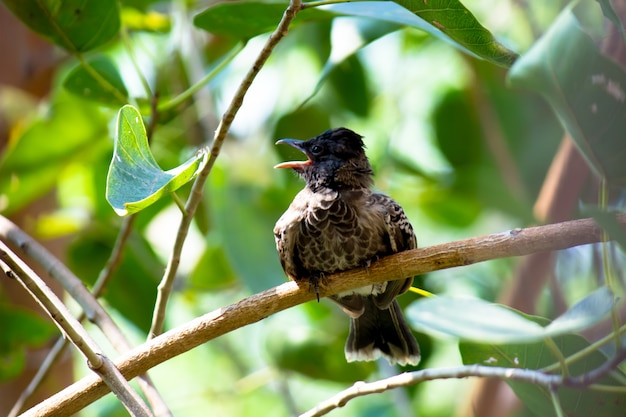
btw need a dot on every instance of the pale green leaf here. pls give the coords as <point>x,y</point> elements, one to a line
<point>135,180</point>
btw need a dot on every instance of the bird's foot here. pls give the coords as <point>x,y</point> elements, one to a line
<point>314,283</point>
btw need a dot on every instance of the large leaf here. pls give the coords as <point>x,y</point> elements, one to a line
<point>480,321</point>
<point>75,25</point>
<point>446,19</point>
<point>536,356</point>
<point>471,319</point>
<point>135,180</point>
<point>585,89</point>
<point>245,20</point>
<point>105,87</point>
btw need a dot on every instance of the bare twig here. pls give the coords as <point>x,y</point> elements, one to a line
<point>536,377</point>
<point>165,287</point>
<point>71,283</point>
<point>183,338</point>
<point>87,301</point>
<point>54,307</point>
<point>411,378</point>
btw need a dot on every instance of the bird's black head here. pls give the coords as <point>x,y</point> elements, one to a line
<point>336,160</point>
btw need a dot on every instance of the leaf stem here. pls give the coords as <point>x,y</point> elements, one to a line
<point>559,356</point>
<point>200,83</point>
<point>71,328</point>
<point>603,197</point>
<point>587,350</point>
<point>556,403</point>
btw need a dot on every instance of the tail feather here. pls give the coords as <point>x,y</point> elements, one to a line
<point>381,333</point>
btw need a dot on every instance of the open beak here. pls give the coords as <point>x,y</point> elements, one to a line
<point>293,164</point>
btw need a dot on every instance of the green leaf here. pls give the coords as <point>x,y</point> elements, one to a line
<point>472,319</point>
<point>135,180</point>
<point>585,89</point>
<point>107,89</point>
<point>75,25</point>
<point>445,19</point>
<point>70,131</point>
<point>20,329</point>
<point>583,314</point>
<point>609,13</point>
<point>480,321</point>
<point>247,19</point>
<point>537,356</point>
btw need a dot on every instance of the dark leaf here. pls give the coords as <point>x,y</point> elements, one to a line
<point>75,25</point>
<point>108,88</point>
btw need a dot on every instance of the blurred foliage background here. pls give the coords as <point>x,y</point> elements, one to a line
<point>460,149</point>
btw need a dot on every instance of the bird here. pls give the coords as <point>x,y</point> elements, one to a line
<point>336,223</point>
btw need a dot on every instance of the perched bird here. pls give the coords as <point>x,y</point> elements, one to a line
<point>338,223</point>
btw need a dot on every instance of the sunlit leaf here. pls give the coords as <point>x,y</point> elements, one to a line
<point>472,319</point>
<point>152,21</point>
<point>75,25</point>
<point>72,130</point>
<point>480,321</point>
<point>583,314</point>
<point>247,19</point>
<point>445,19</point>
<point>586,90</point>
<point>108,88</point>
<point>135,180</point>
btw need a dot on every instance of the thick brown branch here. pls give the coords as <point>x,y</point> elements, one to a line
<point>517,242</point>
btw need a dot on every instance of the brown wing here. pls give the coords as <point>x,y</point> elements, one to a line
<point>401,238</point>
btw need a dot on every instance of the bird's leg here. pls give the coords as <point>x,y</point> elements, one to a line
<point>314,283</point>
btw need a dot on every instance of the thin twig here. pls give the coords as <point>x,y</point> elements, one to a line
<point>73,285</point>
<point>54,307</point>
<point>51,358</point>
<point>412,378</point>
<point>550,381</point>
<point>166,284</point>
<point>250,310</point>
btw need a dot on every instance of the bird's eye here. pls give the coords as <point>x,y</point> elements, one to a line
<point>316,149</point>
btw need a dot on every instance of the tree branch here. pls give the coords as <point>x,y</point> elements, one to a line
<point>91,308</point>
<point>517,242</point>
<point>54,307</point>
